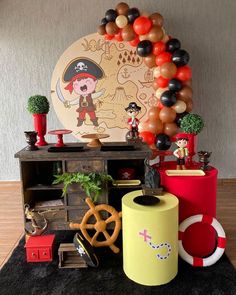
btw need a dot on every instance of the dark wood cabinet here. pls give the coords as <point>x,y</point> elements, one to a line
<point>38,168</point>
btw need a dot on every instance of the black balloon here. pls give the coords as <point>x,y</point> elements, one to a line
<point>144,48</point>
<point>175,85</point>
<point>180,57</point>
<point>104,21</point>
<point>163,142</point>
<point>173,45</point>
<point>168,98</point>
<point>111,15</point>
<point>132,14</point>
<point>179,118</point>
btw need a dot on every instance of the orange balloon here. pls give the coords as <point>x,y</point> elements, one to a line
<point>155,85</point>
<point>168,70</point>
<point>167,115</point>
<point>185,93</point>
<point>157,19</point>
<point>101,30</point>
<point>155,34</point>
<point>170,129</point>
<point>180,106</point>
<point>128,33</point>
<point>150,60</point>
<point>143,126</point>
<point>189,105</point>
<point>165,38</point>
<point>111,28</point>
<point>155,126</point>
<point>153,113</point>
<point>122,8</point>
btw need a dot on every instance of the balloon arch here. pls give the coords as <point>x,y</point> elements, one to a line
<point>162,53</point>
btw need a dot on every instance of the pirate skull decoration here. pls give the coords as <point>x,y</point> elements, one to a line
<point>81,67</point>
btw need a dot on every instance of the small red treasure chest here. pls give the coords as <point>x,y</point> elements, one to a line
<point>40,248</point>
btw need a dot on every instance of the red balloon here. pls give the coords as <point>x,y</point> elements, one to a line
<point>184,73</point>
<point>134,42</point>
<point>147,137</point>
<point>118,37</point>
<point>142,25</point>
<point>160,105</point>
<point>158,47</point>
<point>108,37</point>
<point>163,57</point>
<point>162,82</point>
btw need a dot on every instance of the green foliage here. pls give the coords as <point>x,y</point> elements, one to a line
<point>192,123</point>
<point>38,104</point>
<point>91,183</point>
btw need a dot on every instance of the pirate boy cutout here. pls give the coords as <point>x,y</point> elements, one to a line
<point>132,111</point>
<point>82,75</point>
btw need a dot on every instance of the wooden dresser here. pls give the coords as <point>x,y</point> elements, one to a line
<point>38,168</point>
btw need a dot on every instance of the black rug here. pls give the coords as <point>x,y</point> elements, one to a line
<point>19,277</point>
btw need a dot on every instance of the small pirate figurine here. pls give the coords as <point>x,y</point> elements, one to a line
<point>182,151</point>
<point>133,110</point>
<point>82,75</point>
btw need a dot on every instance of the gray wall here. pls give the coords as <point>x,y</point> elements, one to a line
<point>34,33</point>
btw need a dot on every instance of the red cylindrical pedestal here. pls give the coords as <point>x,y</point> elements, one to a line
<point>197,195</point>
<point>40,125</point>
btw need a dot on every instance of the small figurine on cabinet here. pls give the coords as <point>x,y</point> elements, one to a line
<point>204,159</point>
<point>132,111</point>
<point>181,152</point>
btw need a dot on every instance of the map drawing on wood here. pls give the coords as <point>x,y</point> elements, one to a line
<point>94,81</point>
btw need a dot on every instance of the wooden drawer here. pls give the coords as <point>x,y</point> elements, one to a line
<point>85,166</point>
<point>76,199</point>
<point>76,215</point>
<point>54,215</point>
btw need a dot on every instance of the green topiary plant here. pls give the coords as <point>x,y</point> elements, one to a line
<point>192,123</point>
<point>91,183</point>
<point>38,104</point>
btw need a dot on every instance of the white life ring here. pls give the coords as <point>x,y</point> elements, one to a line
<point>221,241</point>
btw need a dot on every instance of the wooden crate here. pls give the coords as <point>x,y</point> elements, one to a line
<point>69,257</point>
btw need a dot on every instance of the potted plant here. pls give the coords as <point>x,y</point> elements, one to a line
<point>191,124</point>
<point>38,106</point>
<point>91,183</point>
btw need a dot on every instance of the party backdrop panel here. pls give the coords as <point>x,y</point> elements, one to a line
<point>112,75</point>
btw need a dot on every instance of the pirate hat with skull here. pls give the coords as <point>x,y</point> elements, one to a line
<point>82,68</point>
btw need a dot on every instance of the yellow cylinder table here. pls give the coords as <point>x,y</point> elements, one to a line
<point>150,237</point>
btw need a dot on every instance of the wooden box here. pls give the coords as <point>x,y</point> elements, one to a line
<point>69,257</point>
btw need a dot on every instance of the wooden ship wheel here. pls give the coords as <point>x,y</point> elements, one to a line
<point>100,225</point>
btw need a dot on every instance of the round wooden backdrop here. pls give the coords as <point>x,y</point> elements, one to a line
<point>126,79</point>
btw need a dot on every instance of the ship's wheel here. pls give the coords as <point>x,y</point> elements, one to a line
<point>100,225</point>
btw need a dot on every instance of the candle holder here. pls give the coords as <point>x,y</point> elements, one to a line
<point>204,159</point>
<point>31,139</point>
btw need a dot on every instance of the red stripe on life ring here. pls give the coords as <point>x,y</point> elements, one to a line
<point>181,234</point>
<point>197,261</point>
<point>207,219</point>
<point>221,242</point>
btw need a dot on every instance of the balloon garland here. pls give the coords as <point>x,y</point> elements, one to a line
<point>163,54</point>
